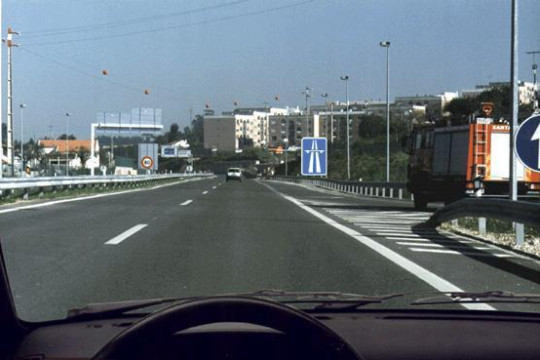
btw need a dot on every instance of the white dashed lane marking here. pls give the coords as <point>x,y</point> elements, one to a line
<point>123,236</point>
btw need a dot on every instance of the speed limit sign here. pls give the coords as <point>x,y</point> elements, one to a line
<point>147,162</point>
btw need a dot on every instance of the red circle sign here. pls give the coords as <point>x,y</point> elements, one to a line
<point>147,162</point>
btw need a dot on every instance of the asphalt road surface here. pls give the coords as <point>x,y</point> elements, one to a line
<point>213,237</point>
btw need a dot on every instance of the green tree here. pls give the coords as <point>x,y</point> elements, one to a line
<point>462,109</point>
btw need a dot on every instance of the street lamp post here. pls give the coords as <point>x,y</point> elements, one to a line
<point>22,106</point>
<point>386,44</point>
<point>67,143</point>
<point>346,79</point>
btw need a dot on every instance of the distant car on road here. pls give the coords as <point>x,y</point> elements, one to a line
<point>234,174</point>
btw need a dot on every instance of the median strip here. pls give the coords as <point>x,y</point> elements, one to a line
<point>123,236</point>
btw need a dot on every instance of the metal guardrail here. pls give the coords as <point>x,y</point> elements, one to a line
<point>522,212</point>
<point>9,186</point>
<point>395,190</point>
<point>518,212</point>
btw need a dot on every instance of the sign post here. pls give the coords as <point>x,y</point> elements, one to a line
<point>314,156</point>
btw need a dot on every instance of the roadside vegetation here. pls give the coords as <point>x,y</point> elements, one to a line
<point>499,232</point>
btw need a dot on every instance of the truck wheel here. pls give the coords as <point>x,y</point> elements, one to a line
<point>420,201</point>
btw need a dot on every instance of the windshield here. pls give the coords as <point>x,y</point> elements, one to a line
<point>369,136</point>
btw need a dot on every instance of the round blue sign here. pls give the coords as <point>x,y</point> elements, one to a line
<point>528,143</point>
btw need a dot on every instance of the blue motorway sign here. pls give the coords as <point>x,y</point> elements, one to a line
<point>314,156</point>
<point>528,143</point>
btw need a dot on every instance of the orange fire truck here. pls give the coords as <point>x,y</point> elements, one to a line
<point>450,162</point>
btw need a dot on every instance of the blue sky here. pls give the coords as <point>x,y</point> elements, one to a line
<point>190,53</point>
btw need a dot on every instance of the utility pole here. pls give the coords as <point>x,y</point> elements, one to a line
<point>536,107</point>
<point>10,153</point>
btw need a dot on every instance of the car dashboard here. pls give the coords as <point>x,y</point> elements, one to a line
<point>374,334</point>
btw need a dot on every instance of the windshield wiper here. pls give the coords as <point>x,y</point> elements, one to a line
<point>465,297</point>
<point>113,309</point>
<point>324,301</point>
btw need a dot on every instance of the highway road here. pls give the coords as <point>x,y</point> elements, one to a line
<point>211,236</point>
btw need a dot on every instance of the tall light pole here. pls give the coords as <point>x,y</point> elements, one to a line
<point>22,106</point>
<point>67,143</point>
<point>386,44</point>
<point>346,79</point>
<point>514,79</point>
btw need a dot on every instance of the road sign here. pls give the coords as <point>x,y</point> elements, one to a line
<point>147,162</point>
<point>314,156</point>
<point>528,143</point>
<point>181,153</point>
<point>148,156</point>
<point>168,151</point>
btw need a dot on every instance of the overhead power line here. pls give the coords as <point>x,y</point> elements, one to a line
<point>135,21</point>
<point>134,88</point>
<point>172,27</point>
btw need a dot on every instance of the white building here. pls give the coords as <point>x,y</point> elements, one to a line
<point>251,127</point>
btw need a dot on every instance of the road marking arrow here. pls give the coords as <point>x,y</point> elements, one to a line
<point>536,136</point>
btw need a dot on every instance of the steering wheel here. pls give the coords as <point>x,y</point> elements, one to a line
<point>146,337</point>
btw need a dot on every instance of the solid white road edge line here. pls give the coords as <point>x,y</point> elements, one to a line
<point>123,236</point>
<point>427,276</point>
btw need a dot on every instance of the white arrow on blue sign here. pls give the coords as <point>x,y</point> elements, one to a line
<point>314,156</point>
<point>528,143</point>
